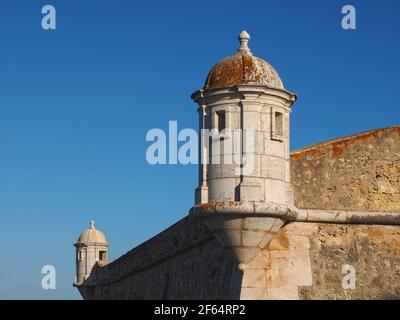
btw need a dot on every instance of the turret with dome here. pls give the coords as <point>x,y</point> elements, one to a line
<point>244,94</point>
<point>91,248</point>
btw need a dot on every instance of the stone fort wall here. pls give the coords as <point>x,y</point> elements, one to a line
<point>360,173</point>
<point>305,260</point>
<point>183,262</point>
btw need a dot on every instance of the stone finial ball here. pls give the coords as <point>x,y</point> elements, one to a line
<point>244,35</point>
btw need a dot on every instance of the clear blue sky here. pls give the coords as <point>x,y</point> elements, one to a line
<point>76,104</point>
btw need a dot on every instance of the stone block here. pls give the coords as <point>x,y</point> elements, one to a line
<point>250,193</point>
<point>298,242</point>
<point>279,242</point>
<point>265,240</point>
<point>265,125</point>
<point>296,269</point>
<point>275,191</point>
<point>252,238</point>
<point>214,171</point>
<point>300,228</point>
<point>282,293</point>
<point>273,167</point>
<point>230,170</point>
<point>259,262</point>
<point>245,255</point>
<point>277,225</point>
<point>254,278</point>
<point>273,148</point>
<point>251,165</point>
<point>253,142</point>
<point>222,189</point>
<point>251,120</point>
<point>225,222</point>
<point>252,294</point>
<point>259,223</point>
<point>233,120</point>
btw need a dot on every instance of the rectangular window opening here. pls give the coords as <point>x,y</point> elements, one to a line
<point>278,124</point>
<point>102,255</point>
<point>220,120</point>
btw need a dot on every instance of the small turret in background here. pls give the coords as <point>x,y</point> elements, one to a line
<point>91,247</point>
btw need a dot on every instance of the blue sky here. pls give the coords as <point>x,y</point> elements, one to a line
<point>76,104</point>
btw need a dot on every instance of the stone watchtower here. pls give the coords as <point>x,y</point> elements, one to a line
<point>245,101</point>
<point>91,247</point>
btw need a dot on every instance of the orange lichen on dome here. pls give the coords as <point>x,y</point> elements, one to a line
<point>243,68</point>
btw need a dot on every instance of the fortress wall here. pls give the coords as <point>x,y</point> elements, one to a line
<point>305,260</point>
<point>183,262</point>
<point>302,261</point>
<point>360,172</point>
<point>373,251</point>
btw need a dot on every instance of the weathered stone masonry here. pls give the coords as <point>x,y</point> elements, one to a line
<point>360,172</point>
<point>176,264</point>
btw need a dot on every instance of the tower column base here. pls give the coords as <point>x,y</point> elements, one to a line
<point>201,195</point>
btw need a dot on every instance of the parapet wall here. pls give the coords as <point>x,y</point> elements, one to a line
<point>183,262</point>
<point>360,173</point>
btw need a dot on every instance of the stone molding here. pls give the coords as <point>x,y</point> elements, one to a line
<point>272,210</point>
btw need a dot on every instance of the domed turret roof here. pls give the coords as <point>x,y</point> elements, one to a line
<point>92,235</point>
<point>243,68</point>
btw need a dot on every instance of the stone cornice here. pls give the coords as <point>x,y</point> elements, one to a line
<point>200,96</point>
<point>296,215</point>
